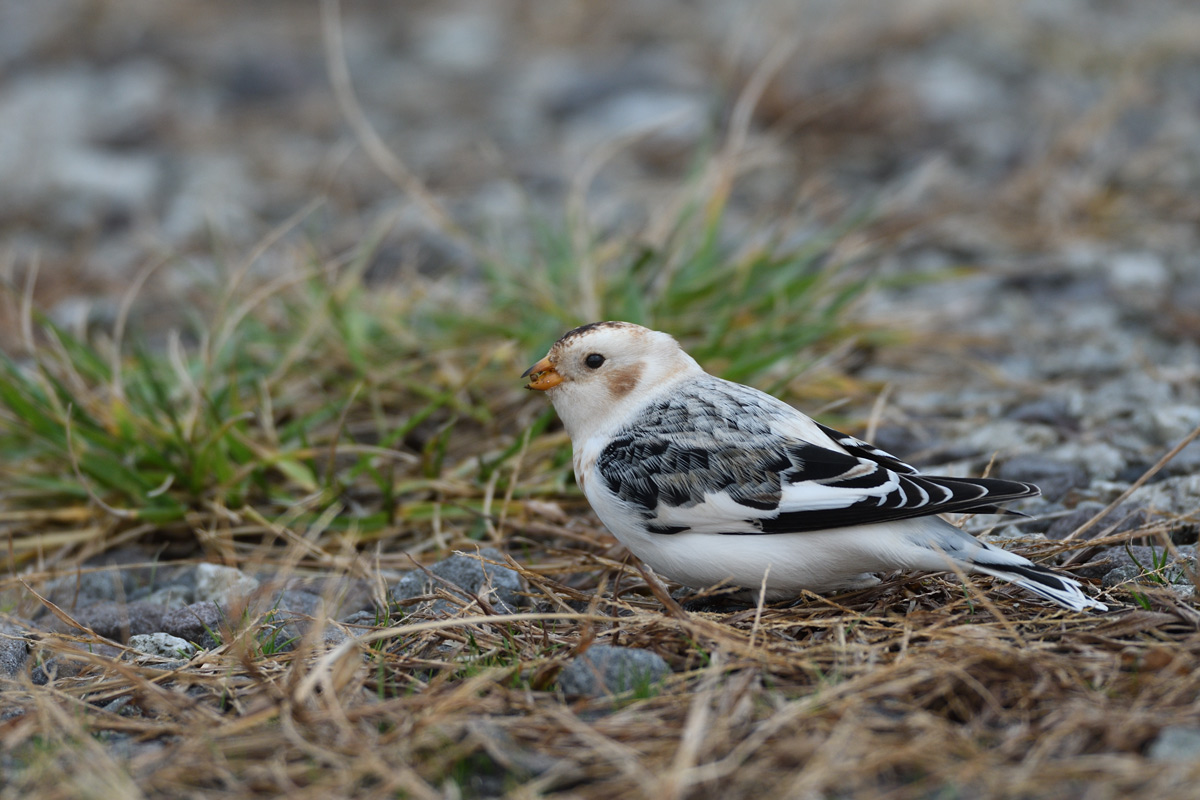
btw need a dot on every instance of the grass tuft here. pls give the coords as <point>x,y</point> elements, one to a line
<point>381,412</point>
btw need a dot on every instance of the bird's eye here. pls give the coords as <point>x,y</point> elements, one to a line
<point>594,361</point>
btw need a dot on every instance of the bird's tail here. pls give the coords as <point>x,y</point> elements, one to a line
<point>1066,592</point>
<point>972,555</point>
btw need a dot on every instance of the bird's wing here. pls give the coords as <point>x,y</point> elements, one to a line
<point>866,450</point>
<point>722,461</point>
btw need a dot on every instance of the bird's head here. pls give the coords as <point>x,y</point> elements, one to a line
<point>597,374</point>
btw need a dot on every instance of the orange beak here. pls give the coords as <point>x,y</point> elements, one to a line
<point>542,376</point>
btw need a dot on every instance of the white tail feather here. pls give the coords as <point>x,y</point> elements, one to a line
<point>1056,588</point>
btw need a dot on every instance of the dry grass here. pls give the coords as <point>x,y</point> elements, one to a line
<point>918,687</point>
<point>915,688</point>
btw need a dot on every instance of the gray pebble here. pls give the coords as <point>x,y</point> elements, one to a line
<point>1099,460</point>
<point>1122,574</point>
<point>62,665</point>
<point>605,669</point>
<point>283,629</point>
<point>162,644</point>
<point>84,588</point>
<point>168,597</point>
<point>1173,496</point>
<point>1141,558</point>
<point>223,585</point>
<point>1001,436</point>
<point>295,601</point>
<point>283,638</point>
<point>1186,462</point>
<point>1047,411</point>
<point>198,623</point>
<point>367,618</point>
<point>1055,478</point>
<point>14,650</point>
<point>114,620</point>
<point>344,595</point>
<point>1177,743</point>
<point>497,585</point>
<point>1125,519</point>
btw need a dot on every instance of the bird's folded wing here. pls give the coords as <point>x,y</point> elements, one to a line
<point>767,483</point>
<point>866,450</point>
<point>828,489</point>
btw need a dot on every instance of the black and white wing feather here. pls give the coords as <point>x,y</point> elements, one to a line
<point>760,467</point>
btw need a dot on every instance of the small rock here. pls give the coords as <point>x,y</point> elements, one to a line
<point>14,649</point>
<point>215,195</point>
<point>605,669</point>
<point>296,601</point>
<point>1122,574</point>
<point>1091,360</point>
<point>1002,436</point>
<point>343,595</point>
<point>106,181</point>
<point>1185,591</point>
<point>129,100</point>
<point>1142,558</point>
<point>497,585</point>
<point>1042,519</point>
<point>62,665</point>
<point>222,585</point>
<point>199,623</point>
<point>1174,497</point>
<point>1099,460</point>
<point>163,644</point>
<point>366,618</point>
<point>82,589</point>
<point>114,620</point>
<point>291,617</point>
<point>1047,411</point>
<point>1186,462</point>
<point>1136,469</point>
<point>662,124</point>
<point>283,638</point>
<point>1125,519</point>
<point>1055,478</point>
<point>1178,743</point>
<point>461,41</point>
<point>1138,278</point>
<point>949,89</point>
<point>415,584</point>
<point>124,573</point>
<point>1171,422</point>
<point>171,597</point>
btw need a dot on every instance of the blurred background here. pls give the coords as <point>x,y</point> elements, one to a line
<point>1049,133</point>
<point>971,210</point>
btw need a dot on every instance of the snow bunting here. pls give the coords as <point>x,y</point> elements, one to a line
<point>709,481</point>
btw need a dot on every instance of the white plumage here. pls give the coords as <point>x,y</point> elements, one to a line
<point>709,481</point>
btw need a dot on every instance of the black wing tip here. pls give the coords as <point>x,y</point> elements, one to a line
<point>665,530</point>
<point>993,493</point>
<point>1046,583</point>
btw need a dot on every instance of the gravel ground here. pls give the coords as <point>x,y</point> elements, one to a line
<point>1047,151</point>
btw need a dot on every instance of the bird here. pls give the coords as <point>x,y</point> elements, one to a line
<point>711,482</point>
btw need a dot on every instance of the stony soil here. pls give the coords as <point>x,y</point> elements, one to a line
<point>1046,153</point>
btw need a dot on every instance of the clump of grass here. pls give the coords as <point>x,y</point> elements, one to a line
<point>318,400</point>
<point>739,312</point>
